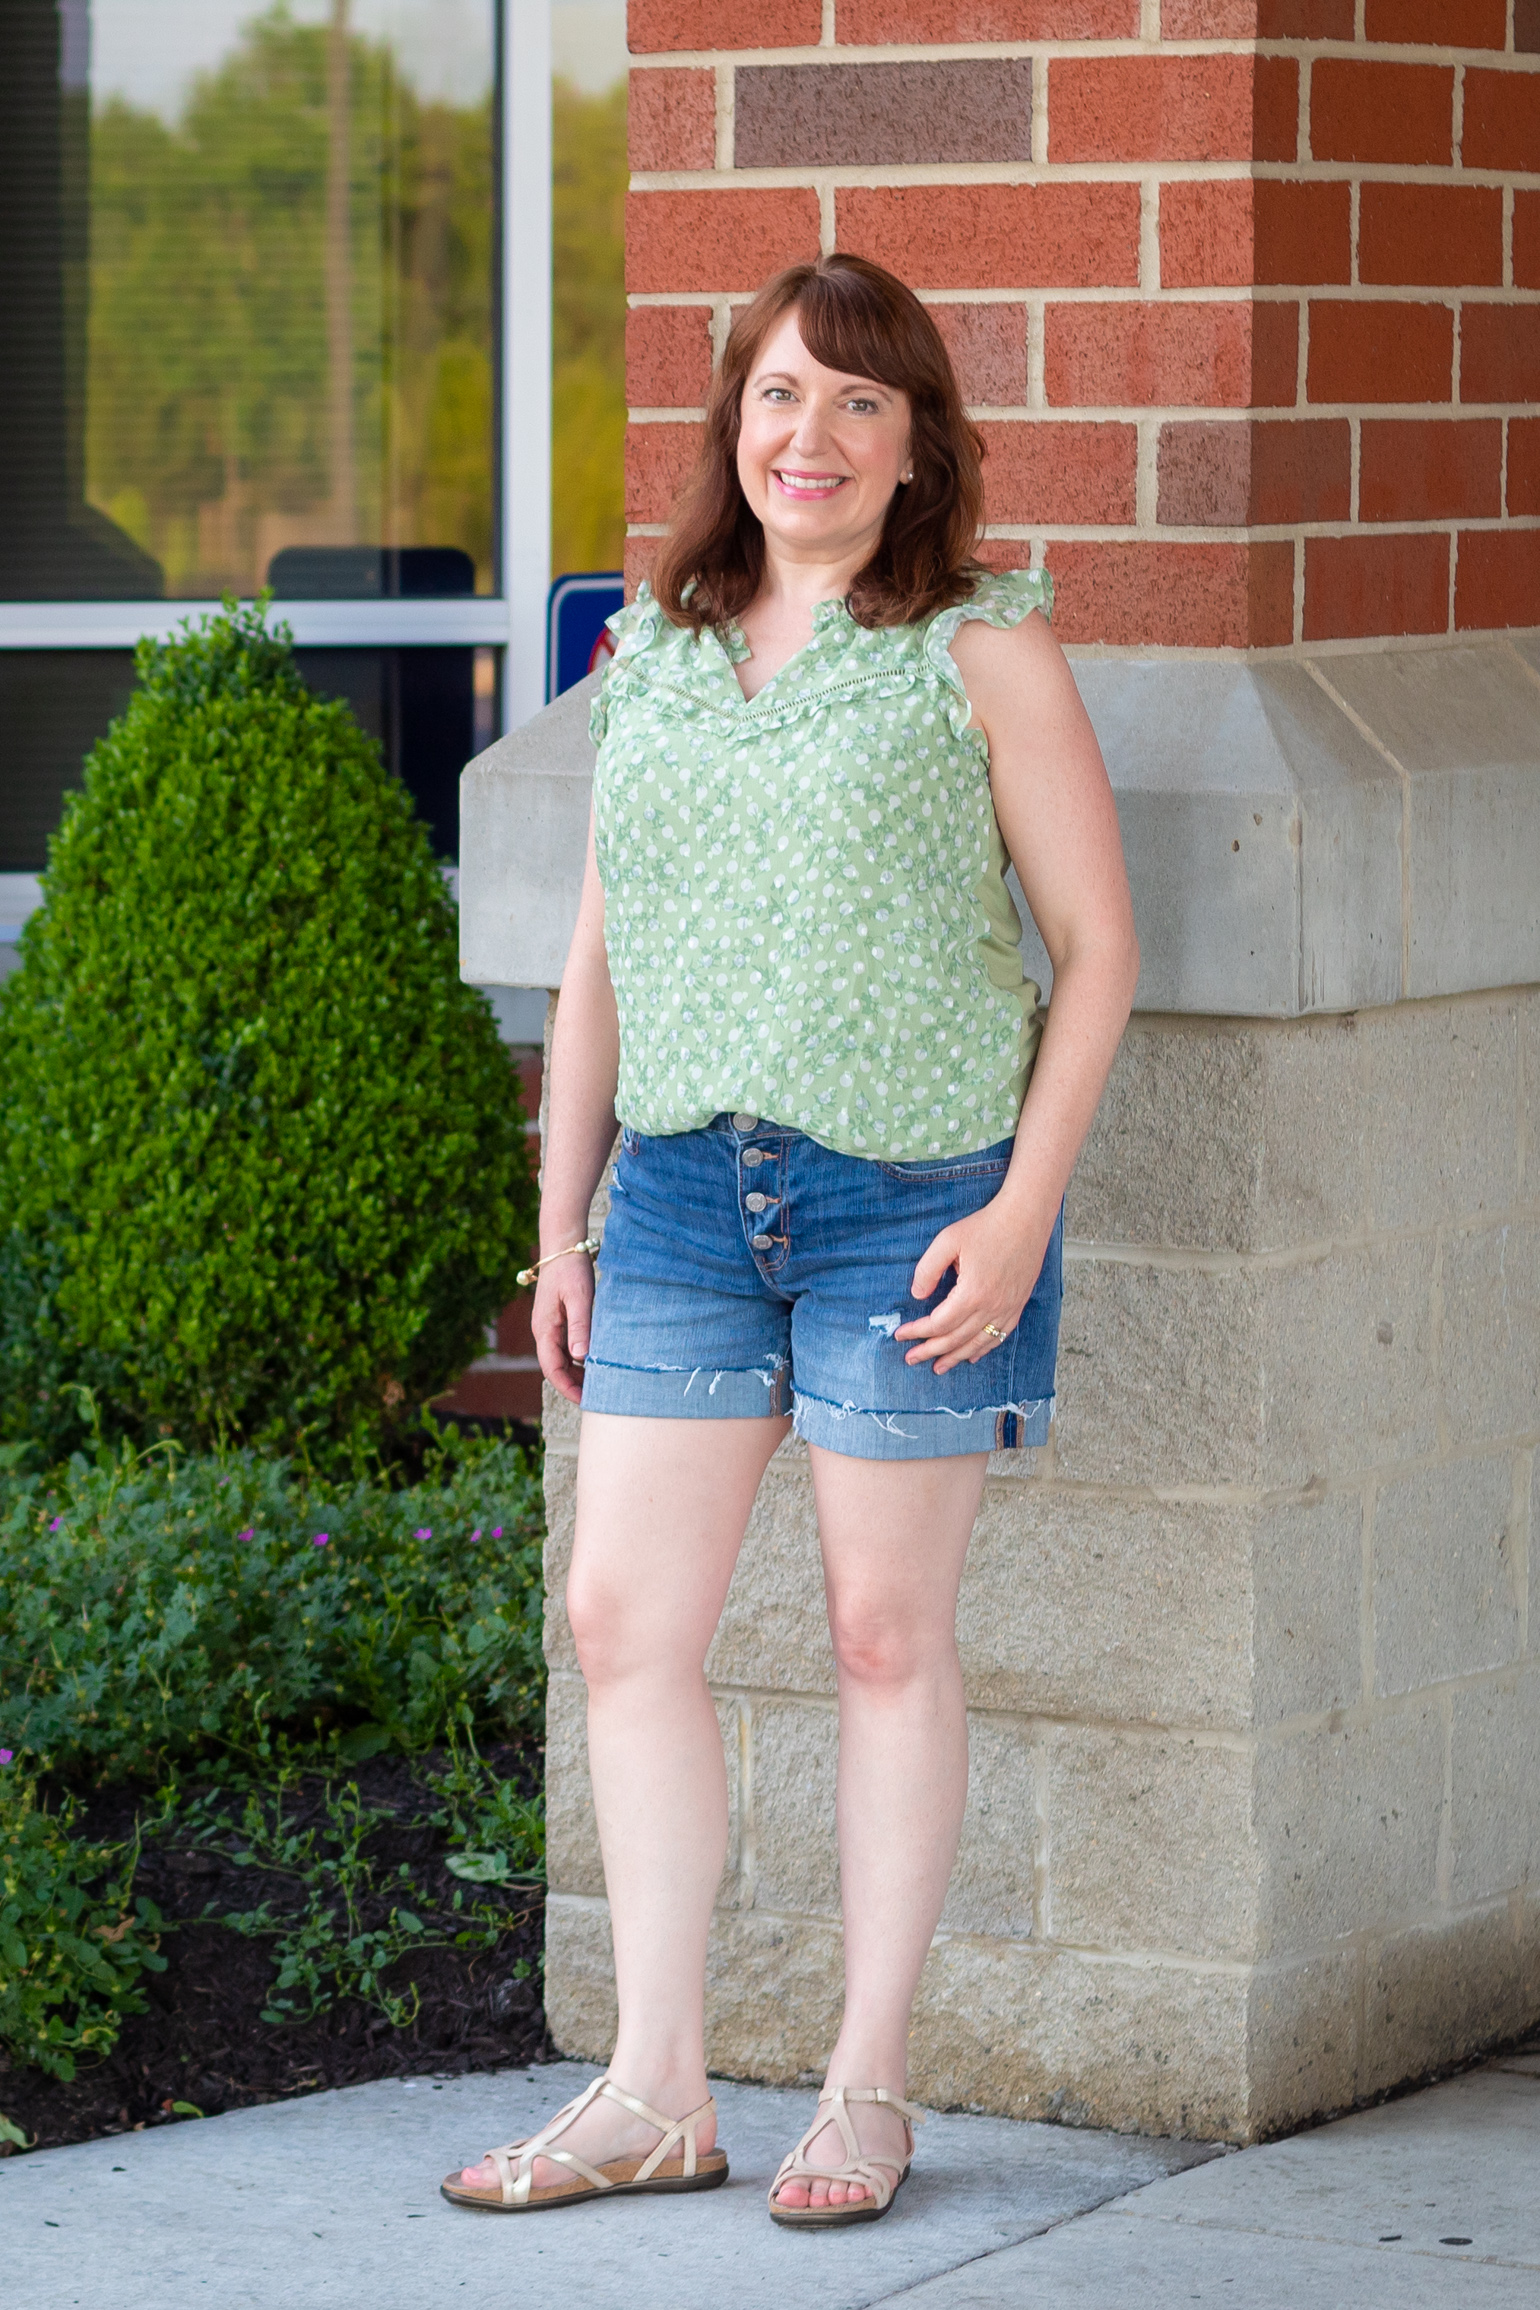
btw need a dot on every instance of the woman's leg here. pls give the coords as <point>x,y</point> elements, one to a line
<point>661,1511</point>
<point>895,1534</point>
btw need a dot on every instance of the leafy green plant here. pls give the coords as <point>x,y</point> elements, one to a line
<point>347,1916</point>
<point>262,1162</point>
<point>73,1942</point>
<point>156,1608</point>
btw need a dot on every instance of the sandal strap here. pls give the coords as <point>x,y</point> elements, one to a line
<point>859,2166</point>
<point>517,2179</point>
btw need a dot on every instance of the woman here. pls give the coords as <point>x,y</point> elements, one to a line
<point>847,1130</point>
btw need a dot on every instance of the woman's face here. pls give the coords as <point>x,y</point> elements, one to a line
<point>819,453</point>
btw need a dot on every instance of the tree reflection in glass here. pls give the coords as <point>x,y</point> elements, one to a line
<point>291,297</point>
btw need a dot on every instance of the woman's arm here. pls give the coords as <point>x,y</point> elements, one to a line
<point>579,1133</point>
<point>1054,804</point>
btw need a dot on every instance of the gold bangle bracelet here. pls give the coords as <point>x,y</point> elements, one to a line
<point>528,1274</point>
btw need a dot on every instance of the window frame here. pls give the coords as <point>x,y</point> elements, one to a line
<point>513,620</point>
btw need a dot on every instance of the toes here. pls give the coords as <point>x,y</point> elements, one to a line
<point>791,2194</point>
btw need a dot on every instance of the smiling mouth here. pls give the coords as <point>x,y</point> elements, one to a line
<point>810,484</point>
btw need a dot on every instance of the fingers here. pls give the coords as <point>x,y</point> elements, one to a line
<point>561,1323</point>
<point>954,1333</point>
<point>941,1255</point>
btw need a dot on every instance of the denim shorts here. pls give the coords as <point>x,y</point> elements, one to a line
<point>747,1272</point>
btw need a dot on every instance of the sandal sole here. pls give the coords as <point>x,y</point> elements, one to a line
<point>666,2185</point>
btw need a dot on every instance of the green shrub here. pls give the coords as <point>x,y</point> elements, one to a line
<point>73,1944</point>
<point>262,1160</point>
<point>156,1608</point>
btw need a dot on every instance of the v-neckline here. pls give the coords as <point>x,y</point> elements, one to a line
<point>736,648</point>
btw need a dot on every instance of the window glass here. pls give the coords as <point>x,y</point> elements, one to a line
<point>588,264</point>
<point>255,300</point>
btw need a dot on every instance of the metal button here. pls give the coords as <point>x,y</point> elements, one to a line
<point>753,1155</point>
<point>745,1122</point>
<point>756,1202</point>
<point>762,1242</point>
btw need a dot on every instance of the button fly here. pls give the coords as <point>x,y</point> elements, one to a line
<point>745,1122</point>
<point>753,1155</point>
<point>762,1242</point>
<point>756,1202</point>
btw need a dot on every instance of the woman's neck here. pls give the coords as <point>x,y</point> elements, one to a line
<point>779,621</point>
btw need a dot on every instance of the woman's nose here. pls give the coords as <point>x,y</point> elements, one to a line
<point>812,435</point>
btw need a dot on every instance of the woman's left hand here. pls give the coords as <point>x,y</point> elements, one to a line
<point>998,1258</point>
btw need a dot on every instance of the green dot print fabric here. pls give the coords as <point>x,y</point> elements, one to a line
<point>805,905</point>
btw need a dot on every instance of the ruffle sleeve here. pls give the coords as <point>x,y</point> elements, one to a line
<point>1002,599</point>
<point>634,628</point>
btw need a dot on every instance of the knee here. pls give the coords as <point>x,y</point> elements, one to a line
<point>875,1647</point>
<point>598,1620</point>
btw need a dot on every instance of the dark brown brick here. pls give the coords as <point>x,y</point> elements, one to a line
<point>1205,475</point>
<point>1526,27</point>
<point>988,345</point>
<point>882,115</point>
<point>1219,475</point>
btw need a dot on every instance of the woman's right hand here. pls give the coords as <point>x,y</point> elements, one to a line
<point>564,1300</point>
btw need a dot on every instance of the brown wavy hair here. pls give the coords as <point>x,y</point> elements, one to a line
<point>856,317</point>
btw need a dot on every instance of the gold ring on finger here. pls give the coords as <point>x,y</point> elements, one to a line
<point>991,1333</point>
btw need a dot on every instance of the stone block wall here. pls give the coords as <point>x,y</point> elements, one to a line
<point>1245,294</point>
<point>1254,1825</point>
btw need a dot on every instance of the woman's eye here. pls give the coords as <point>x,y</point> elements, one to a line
<point>862,408</point>
<point>777,393</point>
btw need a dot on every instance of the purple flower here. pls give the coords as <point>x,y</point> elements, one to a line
<point>426,1532</point>
<point>6,1756</point>
<point>497,1531</point>
<point>476,1535</point>
<point>321,1539</point>
<point>54,1526</point>
<point>250,1533</point>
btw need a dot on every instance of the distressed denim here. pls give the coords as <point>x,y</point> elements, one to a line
<point>747,1272</point>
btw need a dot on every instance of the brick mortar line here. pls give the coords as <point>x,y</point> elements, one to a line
<point>1120,293</point>
<point>1267,1499</point>
<point>1258,533</point>
<point>1243,295</point>
<point>1131,47</point>
<point>882,176</point>
<point>1133,415</point>
<point>1273,1966</point>
<point>1360,1715</point>
<point>1246,654</point>
<point>1217,413</point>
<point>1083,1251</point>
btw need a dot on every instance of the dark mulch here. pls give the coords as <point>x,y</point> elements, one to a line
<point>203,2039</point>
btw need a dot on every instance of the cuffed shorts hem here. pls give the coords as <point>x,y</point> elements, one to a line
<point>671,1392</point>
<point>863,1434</point>
<point>858,1431</point>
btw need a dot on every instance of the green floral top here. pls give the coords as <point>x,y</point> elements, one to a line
<point>805,904</point>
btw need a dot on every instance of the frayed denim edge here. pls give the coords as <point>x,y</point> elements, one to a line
<point>888,1421</point>
<point>769,1373</point>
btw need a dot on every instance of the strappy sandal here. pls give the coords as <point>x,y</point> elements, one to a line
<point>872,2171</point>
<point>675,2164</point>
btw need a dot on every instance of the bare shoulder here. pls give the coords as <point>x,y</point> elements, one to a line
<point>1009,670</point>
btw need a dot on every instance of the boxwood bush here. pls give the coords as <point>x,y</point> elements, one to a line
<point>262,1161</point>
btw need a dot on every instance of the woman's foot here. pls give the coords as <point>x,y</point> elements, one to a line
<point>883,2137</point>
<point>606,2130</point>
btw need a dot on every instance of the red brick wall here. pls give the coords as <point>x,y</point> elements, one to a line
<point>1245,293</point>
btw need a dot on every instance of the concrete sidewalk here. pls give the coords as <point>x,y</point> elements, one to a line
<point>331,2203</point>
